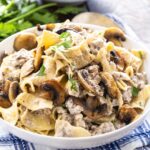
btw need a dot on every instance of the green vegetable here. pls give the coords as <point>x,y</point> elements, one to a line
<point>69,10</point>
<point>73,83</point>
<point>17,16</point>
<point>31,12</point>
<point>65,44</point>
<point>7,29</point>
<point>100,33</point>
<point>3,2</point>
<point>42,71</point>
<point>28,8</point>
<point>135,91</point>
<point>47,17</point>
<point>64,35</point>
<point>23,25</point>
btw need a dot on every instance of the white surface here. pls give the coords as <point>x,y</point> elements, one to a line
<point>136,13</point>
<point>76,143</point>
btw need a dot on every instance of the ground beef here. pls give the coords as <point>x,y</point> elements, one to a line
<point>103,128</point>
<point>92,76</point>
<point>73,108</point>
<point>139,80</point>
<point>127,95</point>
<point>79,121</point>
<point>62,113</point>
<point>119,124</point>
<point>95,46</point>
<point>64,130</point>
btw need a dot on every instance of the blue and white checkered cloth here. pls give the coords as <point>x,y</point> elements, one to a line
<point>138,139</point>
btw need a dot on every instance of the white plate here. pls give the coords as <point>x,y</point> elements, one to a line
<point>83,142</point>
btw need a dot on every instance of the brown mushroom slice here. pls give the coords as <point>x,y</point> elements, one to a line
<point>26,41</point>
<point>97,112</point>
<point>13,91</point>
<point>127,114</point>
<point>92,103</point>
<point>84,83</point>
<point>117,60</point>
<point>27,68</point>
<point>50,26</point>
<point>112,88</point>
<point>38,58</point>
<point>6,86</point>
<point>4,101</point>
<point>115,41</point>
<point>2,55</point>
<point>54,91</point>
<point>98,118</point>
<point>115,35</point>
<point>110,84</point>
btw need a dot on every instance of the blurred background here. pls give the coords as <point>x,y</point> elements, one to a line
<point>134,13</point>
<point>16,15</point>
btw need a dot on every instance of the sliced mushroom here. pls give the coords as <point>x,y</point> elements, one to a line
<point>38,58</point>
<point>13,91</point>
<point>115,35</point>
<point>117,60</point>
<point>110,84</point>
<point>93,109</point>
<point>54,91</point>
<point>50,26</point>
<point>127,114</point>
<point>92,103</point>
<point>74,29</point>
<point>27,68</point>
<point>6,86</point>
<point>84,83</point>
<point>26,41</point>
<point>2,55</point>
<point>4,101</point>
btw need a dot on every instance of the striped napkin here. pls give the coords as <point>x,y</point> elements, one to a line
<point>138,139</point>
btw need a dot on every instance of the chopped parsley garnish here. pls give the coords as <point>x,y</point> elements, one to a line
<point>135,91</point>
<point>64,35</point>
<point>42,71</point>
<point>100,33</point>
<point>65,44</point>
<point>73,83</point>
<point>66,38</point>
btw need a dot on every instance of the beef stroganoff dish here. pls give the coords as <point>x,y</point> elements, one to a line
<point>70,81</point>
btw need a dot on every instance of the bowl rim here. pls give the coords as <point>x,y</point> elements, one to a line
<point>117,131</point>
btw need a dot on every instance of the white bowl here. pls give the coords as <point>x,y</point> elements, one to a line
<point>83,142</point>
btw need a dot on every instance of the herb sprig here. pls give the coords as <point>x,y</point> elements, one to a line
<point>17,15</point>
<point>42,71</point>
<point>73,83</point>
<point>135,91</point>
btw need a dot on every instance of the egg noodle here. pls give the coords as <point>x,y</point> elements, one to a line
<point>67,80</point>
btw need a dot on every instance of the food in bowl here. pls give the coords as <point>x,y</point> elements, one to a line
<point>70,81</point>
